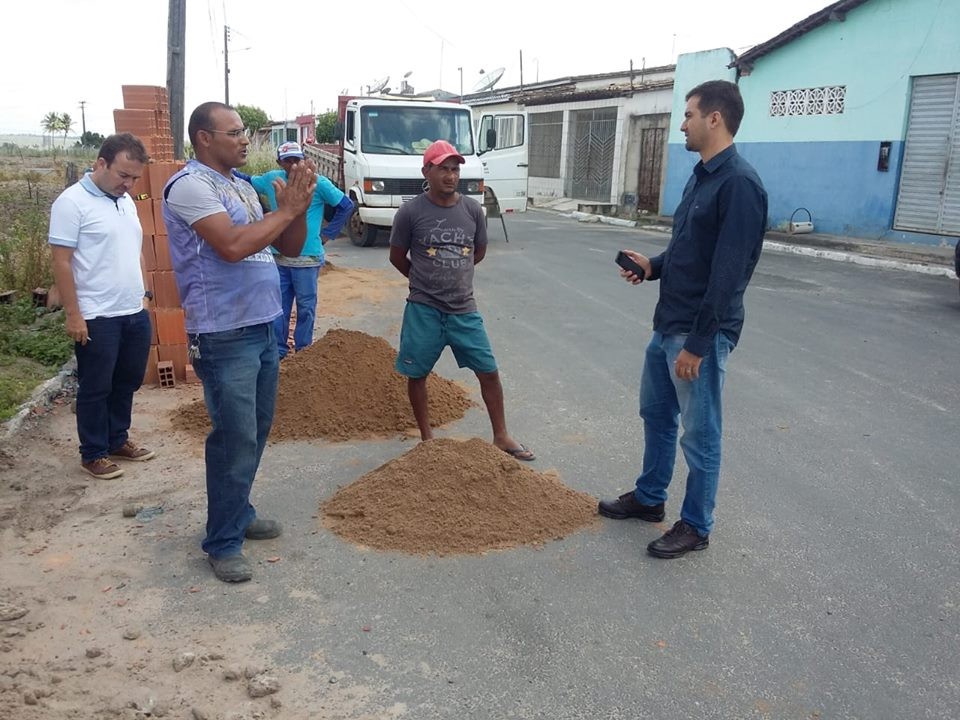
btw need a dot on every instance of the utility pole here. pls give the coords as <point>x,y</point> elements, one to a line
<point>521,69</point>
<point>83,116</point>
<point>176,66</point>
<point>226,66</point>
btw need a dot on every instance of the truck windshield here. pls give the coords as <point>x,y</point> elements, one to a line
<point>402,130</point>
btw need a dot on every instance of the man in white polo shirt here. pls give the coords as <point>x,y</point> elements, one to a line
<point>95,239</point>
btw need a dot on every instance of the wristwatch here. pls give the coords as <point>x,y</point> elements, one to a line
<point>148,295</point>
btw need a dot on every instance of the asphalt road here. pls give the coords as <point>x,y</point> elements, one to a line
<point>831,587</point>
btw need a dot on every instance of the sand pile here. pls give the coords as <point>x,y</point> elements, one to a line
<point>343,387</point>
<point>448,496</point>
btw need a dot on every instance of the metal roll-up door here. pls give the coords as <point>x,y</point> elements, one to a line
<point>929,196</point>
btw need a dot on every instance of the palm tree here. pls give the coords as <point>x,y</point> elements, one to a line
<point>66,125</point>
<point>51,123</point>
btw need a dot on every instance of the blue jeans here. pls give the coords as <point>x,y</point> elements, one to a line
<point>110,369</point>
<point>299,283</point>
<point>239,370</point>
<point>665,403</point>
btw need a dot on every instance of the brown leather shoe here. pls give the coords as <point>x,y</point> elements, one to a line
<point>102,468</point>
<point>627,506</point>
<point>129,451</point>
<point>678,541</point>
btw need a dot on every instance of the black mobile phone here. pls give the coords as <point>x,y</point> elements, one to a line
<point>628,263</point>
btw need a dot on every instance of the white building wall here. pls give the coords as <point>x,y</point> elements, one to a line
<point>652,102</point>
<point>649,102</point>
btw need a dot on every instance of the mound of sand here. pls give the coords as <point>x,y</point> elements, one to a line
<point>343,387</point>
<point>447,496</point>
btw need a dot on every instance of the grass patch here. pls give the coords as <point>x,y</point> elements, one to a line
<point>33,347</point>
<point>18,377</point>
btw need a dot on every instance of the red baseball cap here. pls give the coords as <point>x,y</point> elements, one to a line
<point>440,151</point>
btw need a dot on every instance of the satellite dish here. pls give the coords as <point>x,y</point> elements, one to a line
<point>489,80</point>
<point>377,85</point>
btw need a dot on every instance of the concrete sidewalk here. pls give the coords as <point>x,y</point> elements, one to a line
<point>928,259</point>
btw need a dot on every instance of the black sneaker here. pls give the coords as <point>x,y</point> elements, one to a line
<point>626,506</point>
<point>677,542</point>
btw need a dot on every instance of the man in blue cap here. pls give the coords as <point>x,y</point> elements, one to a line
<point>299,275</point>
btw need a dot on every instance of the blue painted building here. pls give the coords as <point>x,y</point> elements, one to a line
<point>852,113</point>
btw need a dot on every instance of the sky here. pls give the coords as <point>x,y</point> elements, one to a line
<point>289,60</point>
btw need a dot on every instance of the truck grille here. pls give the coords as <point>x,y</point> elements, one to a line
<point>412,186</point>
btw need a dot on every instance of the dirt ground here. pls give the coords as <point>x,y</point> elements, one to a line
<point>83,631</point>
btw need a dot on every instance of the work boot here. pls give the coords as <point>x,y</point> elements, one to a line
<point>231,569</point>
<point>261,529</point>
<point>102,468</point>
<point>129,451</point>
<point>627,506</point>
<point>678,541</point>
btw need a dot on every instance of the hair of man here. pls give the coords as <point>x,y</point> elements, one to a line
<point>720,96</point>
<point>125,143</point>
<point>200,118</point>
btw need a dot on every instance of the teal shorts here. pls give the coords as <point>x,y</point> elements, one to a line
<point>427,331</point>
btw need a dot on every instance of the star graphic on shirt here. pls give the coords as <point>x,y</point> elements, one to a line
<point>464,251</point>
<point>432,252</point>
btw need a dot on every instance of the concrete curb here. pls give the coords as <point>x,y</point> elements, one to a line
<point>605,219</point>
<point>40,396</point>
<point>857,259</point>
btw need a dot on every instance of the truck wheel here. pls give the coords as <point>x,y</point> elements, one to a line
<point>361,234</point>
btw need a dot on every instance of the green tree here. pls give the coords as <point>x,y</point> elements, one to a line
<point>66,125</point>
<point>51,122</point>
<point>90,140</point>
<point>325,127</point>
<point>253,117</point>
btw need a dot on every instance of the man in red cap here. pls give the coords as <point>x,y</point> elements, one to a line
<point>437,239</point>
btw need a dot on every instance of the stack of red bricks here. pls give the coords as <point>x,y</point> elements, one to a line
<point>169,343</point>
<point>146,114</point>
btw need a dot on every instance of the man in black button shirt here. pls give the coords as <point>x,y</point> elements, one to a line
<point>717,237</point>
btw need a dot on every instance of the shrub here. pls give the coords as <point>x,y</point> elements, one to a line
<point>260,160</point>
<point>25,261</point>
<point>25,199</point>
<point>33,345</point>
<point>34,333</point>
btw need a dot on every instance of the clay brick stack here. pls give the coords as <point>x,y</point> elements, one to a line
<point>145,114</point>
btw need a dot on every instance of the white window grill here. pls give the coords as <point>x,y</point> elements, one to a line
<point>808,101</point>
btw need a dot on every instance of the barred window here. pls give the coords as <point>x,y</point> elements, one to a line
<point>808,101</point>
<point>546,130</point>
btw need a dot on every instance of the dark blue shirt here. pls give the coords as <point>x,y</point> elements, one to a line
<point>718,232</point>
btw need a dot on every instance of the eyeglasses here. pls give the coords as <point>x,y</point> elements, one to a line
<point>240,132</point>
